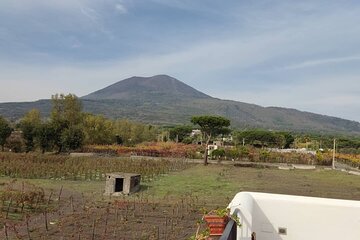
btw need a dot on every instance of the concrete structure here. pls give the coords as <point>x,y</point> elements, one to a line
<point>122,183</point>
<point>78,154</point>
<point>218,143</point>
<point>214,146</point>
<point>291,150</point>
<point>285,217</point>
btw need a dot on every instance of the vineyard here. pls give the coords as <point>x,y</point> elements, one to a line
<point>153,149</point>
<point>324,159</point>
<point>85,168</point>
<point>28,211</point>
<point>59,215</point>
<point>350,159</point>
<point>248,153</point>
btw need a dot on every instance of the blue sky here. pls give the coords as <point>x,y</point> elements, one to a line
<point>295,54</point>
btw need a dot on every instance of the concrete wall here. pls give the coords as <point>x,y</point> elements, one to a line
<point>131,183</point>
<point>305,218</point>
<point>109,185</point>
<point>135,184</point>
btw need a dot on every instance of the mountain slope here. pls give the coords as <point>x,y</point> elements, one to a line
<point>164,100</point>
<point>159,87</point>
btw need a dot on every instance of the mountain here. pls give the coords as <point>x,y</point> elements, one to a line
<point>165,100</point>
<point>160,87</point>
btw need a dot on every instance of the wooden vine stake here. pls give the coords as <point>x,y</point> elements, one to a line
<point>6,232</point>
<point>93,230</point>
<point>27,226</point>
<point>116,222</point>
<point>158,232</point>
<point>46,220</point>
<point>72,203</point>
<point>49,199</point>
<point>166,223</point>
<point>106,221</point>
<point>8,209</point>
<point>60,192</point>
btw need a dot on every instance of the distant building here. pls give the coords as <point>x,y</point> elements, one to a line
<point>295,150</point>
<point>195,132</point>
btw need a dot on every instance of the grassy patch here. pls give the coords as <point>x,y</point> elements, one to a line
<point>88,188</point>
<point>205,183</point>
<point>218,184</point>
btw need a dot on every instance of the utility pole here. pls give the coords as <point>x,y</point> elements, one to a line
<point>334,150</point>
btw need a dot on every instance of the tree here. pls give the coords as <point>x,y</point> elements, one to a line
<point>66,113</point>
<point>98,130</point>
<point>133,133</point>
<point>289,139</point>
<point>29,125</point>
<point>122,128</point>
<point>211,126</point>
<point>45,136</point>
<point>58,126</point>
<point>5,132</point>
<point>218,153</point>
<point>72,138</point>
<point>179,133</point>
<point>15,142</point>
<point>66,108</point>
<point>262,138</point>
<point>119,140</point>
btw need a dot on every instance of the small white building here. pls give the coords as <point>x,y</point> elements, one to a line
<point>292,150</point>
<point>286,217</point>
<point>195,132</point>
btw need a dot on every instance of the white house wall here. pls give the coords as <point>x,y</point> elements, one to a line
<point>305,218</point>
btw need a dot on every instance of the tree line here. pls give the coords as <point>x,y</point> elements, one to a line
<point>69,128</point>
<point>261,138</point>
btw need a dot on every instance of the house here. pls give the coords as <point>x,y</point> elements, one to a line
<point>267,216</point>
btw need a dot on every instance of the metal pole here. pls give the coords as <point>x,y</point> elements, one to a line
<point>334,150</point>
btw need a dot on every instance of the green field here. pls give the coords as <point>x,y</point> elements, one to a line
<point>218,184</point>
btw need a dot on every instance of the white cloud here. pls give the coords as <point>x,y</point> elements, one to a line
<point>120,8</point>
<point>90,13</point>
<point>96,18</point>
<point>324,61</point>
